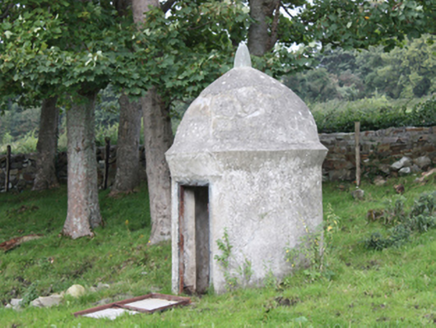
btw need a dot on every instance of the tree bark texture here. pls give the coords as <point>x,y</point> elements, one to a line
<point>46,147</point>
<point>261,35</point>
<point>83,208</point>
<point>158,138</point>
<point>139,7</point>
<point>129,130</point>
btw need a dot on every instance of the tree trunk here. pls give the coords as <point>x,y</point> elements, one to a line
<point>261,35</point>
<point>139,7</point>
<point>45,177</point>
<point>83,208</point>
<point>129,130</point>
<point>158,138</point>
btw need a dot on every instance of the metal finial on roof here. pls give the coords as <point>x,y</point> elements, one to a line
<point>242,57</point>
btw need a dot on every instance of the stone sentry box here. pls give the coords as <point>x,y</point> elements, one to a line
<point>247,160</point>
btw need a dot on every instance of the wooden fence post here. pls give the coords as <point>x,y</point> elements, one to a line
<point>106,161</point>
<point>357,144</point>
<point>8,167</point>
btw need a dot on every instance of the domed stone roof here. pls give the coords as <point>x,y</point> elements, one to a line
<point>246,109</point>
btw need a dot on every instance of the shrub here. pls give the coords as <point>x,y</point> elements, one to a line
<point>25,145</point>
<point>394,212</point>
<point>421,218</point>
<point>422,223</point>
<point>375,241</point>
<point>398,235</point>
<point>425,204</point>
<point>101,132</point>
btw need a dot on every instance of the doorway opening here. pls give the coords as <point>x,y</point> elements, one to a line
<point>194,240</point>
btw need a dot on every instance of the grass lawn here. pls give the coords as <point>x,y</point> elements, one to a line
<point>364,288</point>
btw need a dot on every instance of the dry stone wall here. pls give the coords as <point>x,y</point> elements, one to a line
<point>23,168</point>
<point>386,152</point>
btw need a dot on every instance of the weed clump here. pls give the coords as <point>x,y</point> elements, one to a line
<point>244,271</point>
<point>29,295</point>
<point>421,218</point>
<point>314,249</point>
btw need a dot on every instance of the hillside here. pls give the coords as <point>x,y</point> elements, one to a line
<point>354,287</point>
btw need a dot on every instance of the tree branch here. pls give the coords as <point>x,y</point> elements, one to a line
<point>274,25</point>
<point>287,11</point>
<point>197,27</point>
<point>167,5</point>
<point>6,11</point>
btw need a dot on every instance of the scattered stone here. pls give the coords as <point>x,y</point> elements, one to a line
<point>405,171</point>
<point>16,302</point>
<point>358,194</point>
<point>423,162</point>
<point>102,286</point>
<point>47,301</point>
<point>403,162</point>
<point>379,181</point>
<point>99,287</point>
<point>76,291</point>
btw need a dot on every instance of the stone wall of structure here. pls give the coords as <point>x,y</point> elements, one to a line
<point>410,149</point>
<point>23,168</point>
<point>413,148</point>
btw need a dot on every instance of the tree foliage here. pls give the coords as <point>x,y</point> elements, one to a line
<point>75,47</point>
<point>405,72</point>
<point>361,23</point>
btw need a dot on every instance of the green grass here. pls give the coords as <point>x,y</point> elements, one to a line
<point>390,288</point>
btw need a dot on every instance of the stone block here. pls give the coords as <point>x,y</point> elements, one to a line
<point>47,301</point>
<point>405,171</point>
<point>28,177</point>
<point>385,168</point>
<point>403,162</point>
<point>415,168</point>
<point>384,147</point>
<point>423,162</point>
<point>341,175</point>
<point>397,148</point>
<point>417,129</point>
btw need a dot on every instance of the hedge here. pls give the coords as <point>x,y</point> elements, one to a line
<point>422,114</point>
